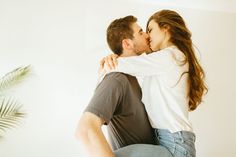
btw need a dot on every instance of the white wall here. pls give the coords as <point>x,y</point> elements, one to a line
<point>63,40</point>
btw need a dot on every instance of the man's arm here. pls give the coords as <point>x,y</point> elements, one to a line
<point>89,133</point>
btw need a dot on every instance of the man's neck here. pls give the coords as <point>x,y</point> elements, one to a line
<point>128,54</point>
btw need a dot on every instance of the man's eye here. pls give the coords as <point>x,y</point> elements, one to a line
<point>149,31</point>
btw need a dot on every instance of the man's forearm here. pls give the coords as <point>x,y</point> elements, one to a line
<point>90,134</point>
<point>97,144</point>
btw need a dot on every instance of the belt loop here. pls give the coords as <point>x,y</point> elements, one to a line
<point>156,136</point>
<point>181,136</point>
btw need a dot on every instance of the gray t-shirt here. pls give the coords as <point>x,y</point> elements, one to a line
<point>117,100</point>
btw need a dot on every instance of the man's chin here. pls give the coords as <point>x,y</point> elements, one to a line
<point>149,50</point>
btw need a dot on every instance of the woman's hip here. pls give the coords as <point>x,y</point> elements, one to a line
<point>180,144</point>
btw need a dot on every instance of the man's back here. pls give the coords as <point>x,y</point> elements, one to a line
<point>117,100</point>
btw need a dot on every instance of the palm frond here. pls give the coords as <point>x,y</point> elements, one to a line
<point>14,77</point>
<point>10,114</point>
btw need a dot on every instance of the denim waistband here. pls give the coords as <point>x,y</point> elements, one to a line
<point>185,135</point>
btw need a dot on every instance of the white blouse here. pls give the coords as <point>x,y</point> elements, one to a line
<point>164,90</point>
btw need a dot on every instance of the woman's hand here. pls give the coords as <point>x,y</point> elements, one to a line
<point>108,63</point>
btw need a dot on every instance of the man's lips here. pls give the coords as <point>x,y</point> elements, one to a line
<point>149,43</point>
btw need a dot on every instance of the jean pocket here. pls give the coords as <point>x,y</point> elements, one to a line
<point>180,151</point>
<point>169,145</point>
<point>183,149</point>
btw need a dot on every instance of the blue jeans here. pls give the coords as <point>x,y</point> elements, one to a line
<point>180,144</point>
<point>143,150</point>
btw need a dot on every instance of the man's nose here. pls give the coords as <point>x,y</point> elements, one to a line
<point>147,37</point>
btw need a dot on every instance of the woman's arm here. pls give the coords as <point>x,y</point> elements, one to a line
<point>156,63</point>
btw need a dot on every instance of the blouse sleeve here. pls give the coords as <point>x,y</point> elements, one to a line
<point>156,63</point>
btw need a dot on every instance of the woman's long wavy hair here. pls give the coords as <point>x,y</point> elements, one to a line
<point>181,37</point>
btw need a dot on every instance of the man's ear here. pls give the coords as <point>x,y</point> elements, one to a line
<point>127,44</point>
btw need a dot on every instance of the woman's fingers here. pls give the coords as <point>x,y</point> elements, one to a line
<point>109,62</point>
<point>114,58</point>
<point>102,62</point>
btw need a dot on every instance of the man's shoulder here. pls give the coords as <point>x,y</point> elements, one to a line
<point>117,77</point>
<point>118,80</point>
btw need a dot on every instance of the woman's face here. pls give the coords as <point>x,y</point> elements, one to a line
<point>157,36</point>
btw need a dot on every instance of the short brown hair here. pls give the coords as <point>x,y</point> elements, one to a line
<point>119,30</point>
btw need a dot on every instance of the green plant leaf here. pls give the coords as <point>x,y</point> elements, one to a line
<point>14,77</point>
<point>10,114</point>
<point>10,109</point>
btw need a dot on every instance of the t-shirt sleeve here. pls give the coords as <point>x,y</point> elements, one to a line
<point>106,99</point>
<point>156,63</point>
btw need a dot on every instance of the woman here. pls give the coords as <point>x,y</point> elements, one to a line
<point>171,79</point>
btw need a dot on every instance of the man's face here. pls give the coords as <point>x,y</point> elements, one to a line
<point>140,40</point>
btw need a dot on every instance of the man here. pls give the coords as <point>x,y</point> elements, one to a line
<point>117,99</point>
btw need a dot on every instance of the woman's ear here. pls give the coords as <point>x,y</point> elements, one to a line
<point>166,28</point>
<point>127,44</point>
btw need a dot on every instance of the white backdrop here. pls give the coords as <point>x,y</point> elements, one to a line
<point>63,40</point>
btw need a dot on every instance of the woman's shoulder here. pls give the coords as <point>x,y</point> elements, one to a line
<point>167,52</point>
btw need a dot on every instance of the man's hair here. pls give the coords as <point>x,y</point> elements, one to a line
<point>119,30</point>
